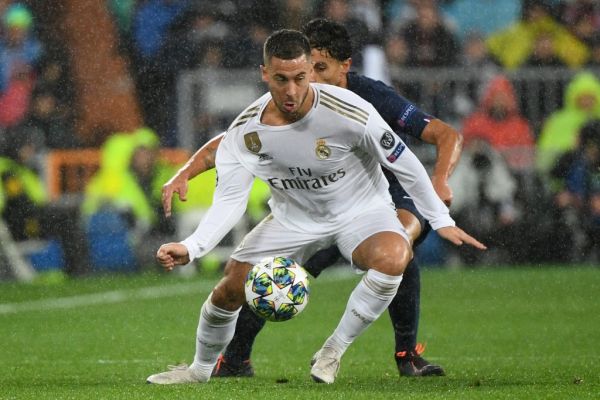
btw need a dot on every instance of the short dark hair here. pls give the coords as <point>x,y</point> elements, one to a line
<point>286,44</point>
<point>330,36</point>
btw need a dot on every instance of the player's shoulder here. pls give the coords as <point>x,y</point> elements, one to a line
<point>344,102</point>
<point>249,113</point>
<point>341,94</point>
<point>369,88</point>
<point>354,79</point>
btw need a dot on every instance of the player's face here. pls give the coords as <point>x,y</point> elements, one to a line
<point>289,84</point>
<point>329,70</point>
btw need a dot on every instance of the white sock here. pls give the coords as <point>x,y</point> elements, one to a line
<point>215,330</point>
<point>368,301</point>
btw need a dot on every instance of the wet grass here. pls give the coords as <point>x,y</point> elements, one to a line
<point>504,333</point>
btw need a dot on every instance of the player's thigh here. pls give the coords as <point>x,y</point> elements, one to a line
<point>271,238</point>
<point>376,239</point>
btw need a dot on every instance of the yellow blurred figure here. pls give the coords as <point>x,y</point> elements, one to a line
<point>129,182</point>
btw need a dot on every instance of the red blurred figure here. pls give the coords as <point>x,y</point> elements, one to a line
<point>500,122</point>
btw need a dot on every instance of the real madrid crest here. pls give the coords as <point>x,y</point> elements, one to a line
<point>252,142</point>
<point>323,152</point>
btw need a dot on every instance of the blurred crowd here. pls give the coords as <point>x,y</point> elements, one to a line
<point>530,189</point>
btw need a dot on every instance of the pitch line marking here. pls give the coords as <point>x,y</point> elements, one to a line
<point>110,297</point>
<point>119,296</point>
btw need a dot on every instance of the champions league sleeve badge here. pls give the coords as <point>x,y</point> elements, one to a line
<point>252,142</point>
<point>323,152</point>
<point>387,140</point>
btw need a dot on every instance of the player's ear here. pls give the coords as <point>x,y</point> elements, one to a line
<point>346,64</point>
<point>264,73</point>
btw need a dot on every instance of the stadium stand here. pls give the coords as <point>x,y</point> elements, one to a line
<point>82,85</point>
<point>68,171</point>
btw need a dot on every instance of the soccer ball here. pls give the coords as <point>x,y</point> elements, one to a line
<point>277,288</point>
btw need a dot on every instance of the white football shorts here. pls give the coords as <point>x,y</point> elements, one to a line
<point>271,238</point>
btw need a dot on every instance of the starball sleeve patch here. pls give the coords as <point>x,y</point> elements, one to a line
<point>387,140</point>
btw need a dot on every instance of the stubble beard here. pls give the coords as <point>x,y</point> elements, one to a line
<point>293,116</point>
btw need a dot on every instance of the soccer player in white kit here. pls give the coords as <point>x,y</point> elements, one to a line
<point>319,148</point>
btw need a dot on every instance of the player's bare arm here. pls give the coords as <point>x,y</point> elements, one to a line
<point>448,143</point>
<point>201,161</point>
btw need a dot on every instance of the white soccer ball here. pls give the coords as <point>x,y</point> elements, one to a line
<point>277,288</point>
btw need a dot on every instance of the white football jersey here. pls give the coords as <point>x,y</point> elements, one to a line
<point>322,170</point>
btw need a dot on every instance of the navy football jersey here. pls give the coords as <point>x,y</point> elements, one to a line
<point>405,118</point>
<point>400,114</point>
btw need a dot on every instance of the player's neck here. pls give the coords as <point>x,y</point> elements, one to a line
<point>273,116</point>
<point>344,81</point>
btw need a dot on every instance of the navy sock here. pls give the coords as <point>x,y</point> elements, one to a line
<point>404,309</point>
<point>322,259</point>
<point>247,328</point>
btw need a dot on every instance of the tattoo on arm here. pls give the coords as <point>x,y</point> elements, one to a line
<point>203,160</point>
<point>209,158</point>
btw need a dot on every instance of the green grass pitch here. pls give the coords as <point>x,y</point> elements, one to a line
<point>504,333</point>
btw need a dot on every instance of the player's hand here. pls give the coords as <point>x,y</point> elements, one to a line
<point>459,237</point>
<point>172,254</point>
<point>443,190</point>
<point>177,184</point>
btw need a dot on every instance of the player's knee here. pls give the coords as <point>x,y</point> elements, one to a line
<point>389,256</point>
<point>393,263</point>
<point>229,292</point>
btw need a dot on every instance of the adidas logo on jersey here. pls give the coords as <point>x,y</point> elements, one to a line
<point>264,159</point>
